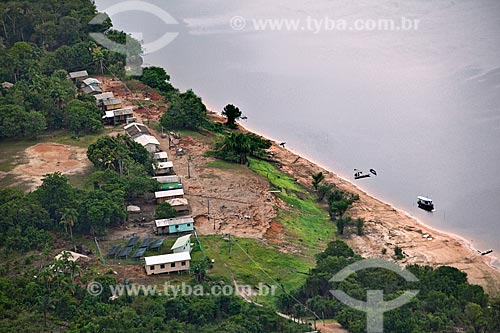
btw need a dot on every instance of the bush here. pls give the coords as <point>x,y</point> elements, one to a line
<point>165,211</point>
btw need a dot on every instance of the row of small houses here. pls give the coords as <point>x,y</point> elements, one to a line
<point>115,113</point>
<point>172,192</point>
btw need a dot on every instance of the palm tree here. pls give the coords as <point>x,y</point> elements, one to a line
<point>317,179</point>
<point>69,219</point>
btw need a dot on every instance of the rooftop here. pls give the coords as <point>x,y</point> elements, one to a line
<point>181,241</point>
<point>174,221</point>
<point>178,202</point>
<point>90,81</point>
<point>79,74</point>
<point>103,96</point>
<point>118,112</point>
<point>164,165</point>
<point>167,179</point>
<point>135,129</point>
<point>167,258</point>
<point>161,155</point>
<point>169,194</point>
<point>146,140</point>
<point>112,101</point>
<point>91,89</point>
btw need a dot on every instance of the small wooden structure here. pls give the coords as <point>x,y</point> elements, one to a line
<point>118,116</point>
<point>168,263</point>
<point>162,196</point>
<point>174,225</point>
<point>164,168</point>
<point>181,205</point>
<point>182,244</point>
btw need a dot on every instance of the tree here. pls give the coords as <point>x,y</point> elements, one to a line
<point>359,226</point>
<point>83,117</point>
<point>342,223</point>
<point>186,111</point>
<point>232,113</point>
<point>324,190</point>
<point>317,179</point>
<point>55,194</point>
<point>157,78</point>
<point>15,121</point>
<point>398,253</point>
<point>69,217</point>
<point>116,152</point>
<point>165,211</point>
<point>237,147</point>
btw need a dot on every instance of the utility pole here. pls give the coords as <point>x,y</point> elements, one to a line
<point>215,216</point>
<point>189,174</point>
<point>208,208</point>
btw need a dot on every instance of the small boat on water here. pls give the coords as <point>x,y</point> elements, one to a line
<point>425,203</point>
<point>358,174</point>
<point>483,253</point>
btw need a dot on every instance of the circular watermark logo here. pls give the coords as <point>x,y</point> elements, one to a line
<point>94,288</point>
<point>375,306</point>
<point>238,23</point>
<point>128,48</point>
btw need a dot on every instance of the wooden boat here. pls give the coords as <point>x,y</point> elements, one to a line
<point>486,252</point>
<point>425,203</point>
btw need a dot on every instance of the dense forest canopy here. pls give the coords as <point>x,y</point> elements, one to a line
<point>40,42</point>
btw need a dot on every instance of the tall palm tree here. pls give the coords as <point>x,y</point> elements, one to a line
<point>69,219</point>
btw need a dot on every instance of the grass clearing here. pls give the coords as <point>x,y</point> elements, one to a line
<point>306,222</point>
<point>278,179</point>
<point>267,264</point>
<point>223,165</point>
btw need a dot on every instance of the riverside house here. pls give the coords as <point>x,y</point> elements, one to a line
<point>78,76</point>
<point>182,244</point>
<point>174,225</point>
<point>162,196</point>
<point>118,116</point>
<point>181,205</point>
<point>168,263</point>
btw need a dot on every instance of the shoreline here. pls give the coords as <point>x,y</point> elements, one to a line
<point>387,225</point>
<point>466,242</point>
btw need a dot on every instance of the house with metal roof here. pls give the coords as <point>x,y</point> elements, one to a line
<point>135,130</point>
<point>118,116</point>
<point>182,244</point>
<point>174,225</point>
<point>164,168</point>
<point>80,75</point>
<point>101,97</point>
<point>181,205</point>
<point>112,104</point>
<point>168,263</point>
<point>91,82</point>
<point>161,156</point>
<point>92,90</point>
<point>149,142</point>
<point>162,196</point>
<point>168,179</point>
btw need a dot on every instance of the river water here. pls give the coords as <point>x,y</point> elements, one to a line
<point>420,106</point>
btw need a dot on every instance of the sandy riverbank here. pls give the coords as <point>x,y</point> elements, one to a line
<point>388,227</point>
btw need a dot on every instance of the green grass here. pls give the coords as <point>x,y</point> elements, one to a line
<point>306,222</point>
<point>223,165</point>
<point>278,179</point>
<point>251,261</point>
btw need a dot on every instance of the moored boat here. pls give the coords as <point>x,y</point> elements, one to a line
<point>425,203</point>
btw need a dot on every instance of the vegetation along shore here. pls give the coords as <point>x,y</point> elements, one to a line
<point>115,180</point>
